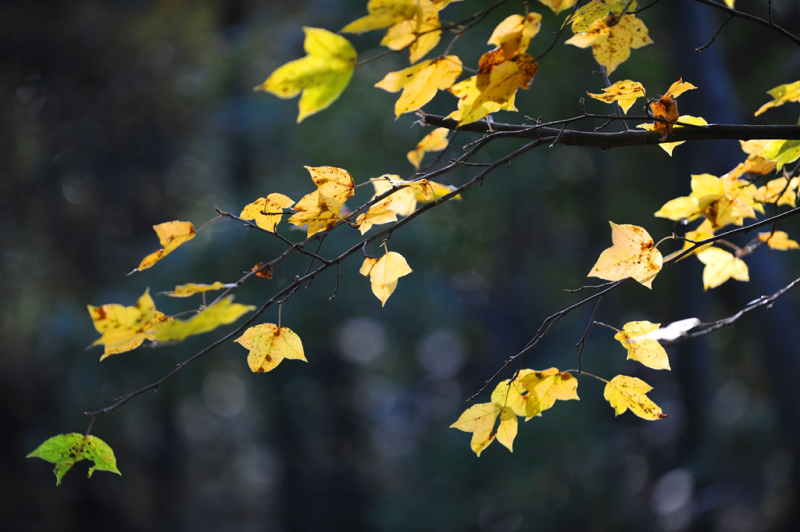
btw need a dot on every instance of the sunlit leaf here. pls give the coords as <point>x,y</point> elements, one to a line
<point>633,254</point>
<point>384,273</point>
<point>436,140</point>
<point>625,92</point>
<point>629,393</point>
<point>611,44</point>
<point>171,235</point>
<point>125,328</point>
<point>65,450</point>
<point>648,352</point>
<point>269,345</point>
<point>420,82</point>
<point>222,312</point>
<point>721,266</point>
<point>778,240</point>
<point>267,211</point>
<point>782,94</point>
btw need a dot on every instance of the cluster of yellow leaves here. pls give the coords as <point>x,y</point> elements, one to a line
<point>501,71</point>
<point>412,24</point>
<point>384,272</point>
<point>722,200</point>
<point>610,36</point>
<point>126,328</point>
<point>269,345</point>
<point>322,75</point>
<point>633,254</point>
<point>322,208</point>
<point>527,395</point>
<point>171,235</point>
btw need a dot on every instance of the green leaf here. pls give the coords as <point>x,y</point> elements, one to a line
<point>222,312</point>
<point>65,450</point>
<point>782,152</point>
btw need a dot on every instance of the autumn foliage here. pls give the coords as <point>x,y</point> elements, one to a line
<point>613,31</point>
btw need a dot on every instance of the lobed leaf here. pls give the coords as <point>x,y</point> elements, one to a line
<point>223,312</point>
<point>125,328</point>
<point>633,254</point>
<point>65,450</point>
<point>269,345</point>
<point>629,393</point>
<point>647,351</point>
<point>170,235</point>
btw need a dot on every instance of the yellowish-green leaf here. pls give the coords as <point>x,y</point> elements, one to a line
<point>384,273</point>
<point>782,152</point>
<point>648,352</point>
<point>380,213</point>
<point>436,140</point>
<point>612,45</point>
<point>629,393</point>
<point>190,289</point>
<point>625,92</point>
<point>583,18</point>
<point>65,450</point>
<point>125,328</point>
<point>778,240</point>
<point>420,82</point>
<point>721,266</point>
<point>782,94</point>
<point>220,313</point>
<point>545,388</point>
<point>514,34</point>
<point>322,75</point>
<point>633,254</point>
<point>170,235</point>
<point>267,211</point>
<point>382,14</point>
<point>269,345</point>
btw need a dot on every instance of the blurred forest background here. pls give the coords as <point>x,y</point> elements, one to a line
<point>118,115</point>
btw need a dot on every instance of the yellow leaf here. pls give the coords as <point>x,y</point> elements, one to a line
<point>781,191</point>
<point>189,289</point>
<point>479,420</point>
<point>267,211</point>
<point>545,387</point>
<point>612,45</point>
<point>514,34</point>
<point>648,352</point>
<point>624,393</point>
<point>756,163</point>
<point>220,313</point>
<point>321,209</point>
<point>421,32</point>
<point>583,18</point>
<point>625,92</point>
<point>404,201</point>
<point>704,231</point>
<point>721,266</point>
<point>269,345</point>
<point>384,273</point>
<point>420,82</point>
<point>171,235</point>
<point>633,255</point>
<point>436,140</point>
<point>778,240</point>
<point>513,395</point>
<point>380,213</point>
<point>678,88</point>
<point>475,102</point>
<point>685,207</point>
<point>559,5</point>
<point>782,94</point>
<point>125,328</point>
<point>382,14</point>
<point>322,75</point>
<point>507,429</point>
<point>431,191</point>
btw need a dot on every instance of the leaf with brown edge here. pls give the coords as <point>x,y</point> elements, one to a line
<point>778,240</point>
<point>384,273</point>
<point>420,82</point>
<point>269,345</point>
<point>611,43</point>
<point>625,92</point>
<point>267,211</point>
<point>721,266</point>
<point>223,312</point>
<point>648,352</point>
<point>265,273</point>
<point>545,388</point>
<point>125,328</point>
<point>633,254</point>
<point>190,289</point>
<point>514,34</point>
<point>170,235</point>
<point>629,393</point>
<point>380,213</point>
<point>436,140</point>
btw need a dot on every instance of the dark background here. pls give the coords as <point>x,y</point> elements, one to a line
<point>119,115</point>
